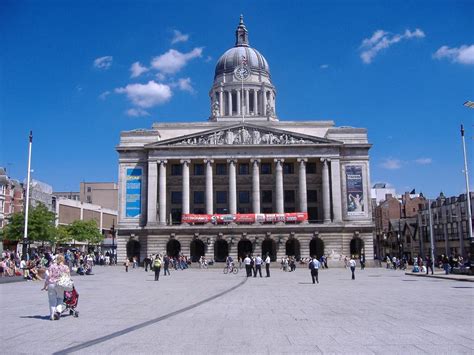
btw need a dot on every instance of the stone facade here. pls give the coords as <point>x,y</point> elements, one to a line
<point>244,160</point>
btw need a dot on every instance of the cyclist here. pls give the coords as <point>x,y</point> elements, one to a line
<point>229,262</point>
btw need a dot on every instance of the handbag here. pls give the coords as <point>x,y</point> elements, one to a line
<point>65,282</point>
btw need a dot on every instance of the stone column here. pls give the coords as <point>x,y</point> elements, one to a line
<point>255,185</point>
<point>229,102</point>
<point>302,185</point>
<point>152,193</point>
<point>238,103</point>
<point>185,194</point>
<point>209,186</point>
<point>162,194</point>
<point>336,190</point>
<point>232,186</point>
<point>255,102</point>
<point>221,101</point>
<point>264,101</point>
<point>326,192</point>
<point>247,102</point>
<point>279,193</point>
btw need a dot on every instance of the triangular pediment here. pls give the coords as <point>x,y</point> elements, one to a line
<point>244,134</point>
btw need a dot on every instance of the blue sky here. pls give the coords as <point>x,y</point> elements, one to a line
<point>401,69</point>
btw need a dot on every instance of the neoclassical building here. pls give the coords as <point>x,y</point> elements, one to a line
<point>233,184</point>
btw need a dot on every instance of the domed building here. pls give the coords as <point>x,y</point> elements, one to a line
<point>244,182</point>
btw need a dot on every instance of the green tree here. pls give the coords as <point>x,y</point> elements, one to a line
<point>40,225</point>
<point>63,234</point>
<point>14,229</point>
<point>85,231</point>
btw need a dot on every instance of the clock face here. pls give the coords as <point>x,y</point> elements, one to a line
<point>241,73</point>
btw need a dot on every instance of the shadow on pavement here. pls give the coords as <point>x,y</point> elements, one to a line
<point>36,317</point>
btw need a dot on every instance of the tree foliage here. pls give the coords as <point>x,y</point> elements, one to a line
<point>85,231</point>
<point>41,224</point>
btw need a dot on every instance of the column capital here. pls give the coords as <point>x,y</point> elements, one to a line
<point>325,160</point>
<point>279,160</point>
<point>210,161</point>
<point>255,160</point>
<point>163,161</point>
<point>302,160</point>
<point>185,161</point>
<point>232,160</point>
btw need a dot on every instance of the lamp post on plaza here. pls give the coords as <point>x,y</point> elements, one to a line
<point>27,202</point>
<point>112,232</point>
<point>469,104</point>
<point>431,236</point>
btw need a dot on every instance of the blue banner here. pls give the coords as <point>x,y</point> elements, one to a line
<point>133,205</point>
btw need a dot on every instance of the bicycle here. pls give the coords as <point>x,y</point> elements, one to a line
<point>233,270</point>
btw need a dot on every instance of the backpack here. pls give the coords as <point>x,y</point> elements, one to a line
<point>311,265</point>
<point>157,263</point>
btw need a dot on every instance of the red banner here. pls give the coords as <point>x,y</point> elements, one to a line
<point>245,218</point>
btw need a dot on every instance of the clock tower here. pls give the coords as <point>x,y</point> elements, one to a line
<point>242,88</point>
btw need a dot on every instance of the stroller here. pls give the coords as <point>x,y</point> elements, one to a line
<point>70,300</point>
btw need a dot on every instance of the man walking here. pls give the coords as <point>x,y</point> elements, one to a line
<point>267,265</point>
<point>157,267</point>
<point>352,264</point>
<point>248,267</point>
<point>258,266</point>
<point>314,267</point>
<point>166,265</point>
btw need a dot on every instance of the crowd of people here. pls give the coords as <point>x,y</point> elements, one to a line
<point>156,262</point>
<point>425,265</point>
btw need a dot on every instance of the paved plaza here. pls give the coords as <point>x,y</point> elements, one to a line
<point>206,312</point>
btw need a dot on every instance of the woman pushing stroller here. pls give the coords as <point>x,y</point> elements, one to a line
<point>56,272</point>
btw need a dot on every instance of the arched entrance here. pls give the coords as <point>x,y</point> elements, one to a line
<point>269,247</point>
<point>197,248</point>
<point>356,246</point>
<point>173,248</point>
<point>293,248</point>
<point>244,248</point>
<point>221,250</point>
<point>316,247</point>
<point>133,249</point>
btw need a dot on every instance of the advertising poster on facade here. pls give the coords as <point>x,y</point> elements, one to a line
<point>133,193</point>
<point>355,190</point>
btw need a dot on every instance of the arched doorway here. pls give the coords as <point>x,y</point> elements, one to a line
<point>197,248</point>
<point>316,247</point>
<point>293,248</point>
<point>244,248</point>
<point>173,248</point>
<point>356,246</point>
<point>269,247</point>
<point>221,250</point>
<point>133,249</point>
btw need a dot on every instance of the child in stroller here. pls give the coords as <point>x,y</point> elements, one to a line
<point>70,300</point>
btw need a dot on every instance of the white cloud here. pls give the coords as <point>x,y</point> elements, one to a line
<point>137,69</point>
<point>381,40</point>
<point>173,61</point>
<point>179,37</point>
<point>463,54</point>
<point>146,95</point>
<point>160,76</point>
<point>104,95</point>
<point>424,161</point>
<point>103,63</point>
<point>137,112</point>
<point>185,85</point>
<point>392,164</point>
<point>324,66</point>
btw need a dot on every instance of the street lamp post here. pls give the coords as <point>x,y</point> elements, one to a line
<point>431,237</point>
<point>469,104</point>
<point>24,251</point>
<point>112,231</point>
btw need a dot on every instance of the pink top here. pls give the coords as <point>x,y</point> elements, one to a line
<point>55,271</point>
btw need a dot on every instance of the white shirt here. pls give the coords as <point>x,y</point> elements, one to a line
<point>316,263</point>
<point>258,260</point>
<point>247,261</point>
<point>352,263</point>
<point>267,260</point>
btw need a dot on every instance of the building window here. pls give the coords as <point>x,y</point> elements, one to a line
<point>221,197</point>
<point>267,210</point>
<point>198,169</point>
<point>312,195</point>
<point>199,211</point>
<point>244,169</point>
<point>176,215</point>
<point>221,169</point>
<point>267,196</point>
<point>89,199</point>
<point>290,196</point>
<point>222,210</point>
<point>244,210</point>
<point>310,168</point>
<point>198,197</point>
<point>176,170</point>
<point>176,197</point>
<point>288,168</point>
<point>244,196</point>
<point>89,189</point>
<point>266,168</point>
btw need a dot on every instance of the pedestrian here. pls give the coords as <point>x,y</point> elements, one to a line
<point>362,262</point>
<point>445,264</point>
<point>126,264</point>
<point>429,265</point>
<point>55,292</point>
<point>248,266</point>
<point>147,263</point>
<point>252,264</point>
<point>258,266</point>
<point>267,265</point>
<point>352,264</point>
<point>157,267</point>
<point>345,262</point>
<point>166,265</point>
<point>314,267</point>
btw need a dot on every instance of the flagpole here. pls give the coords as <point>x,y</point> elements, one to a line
<point>27,203</point>
<point>242,96</point>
